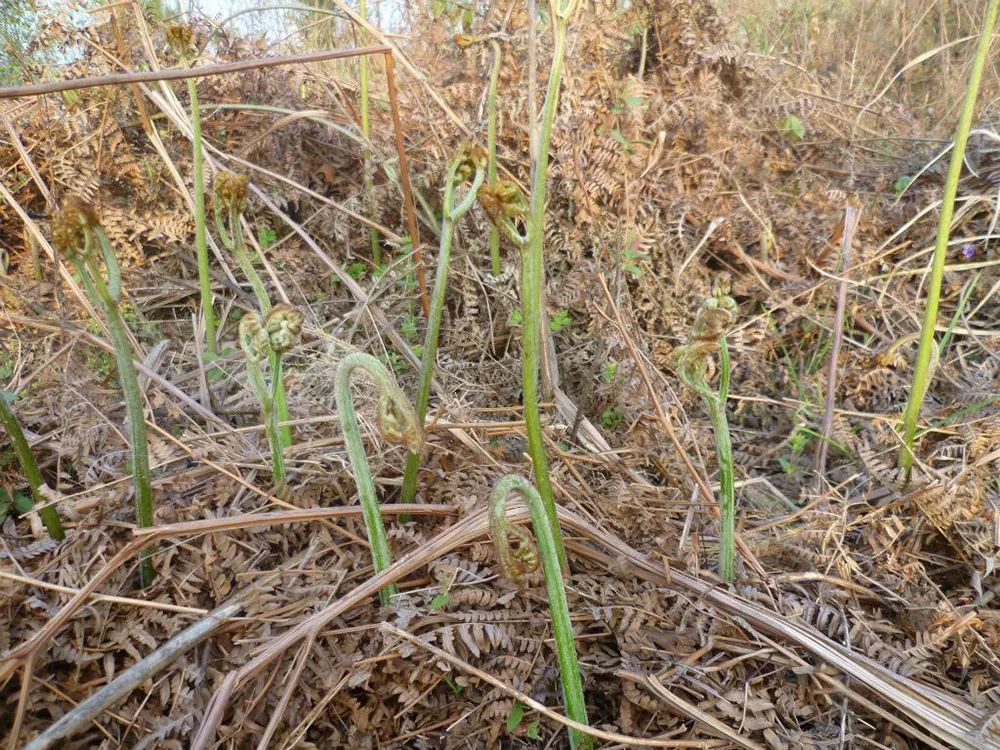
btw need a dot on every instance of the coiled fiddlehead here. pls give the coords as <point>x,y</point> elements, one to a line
<point>524,558</point>
<point>708,338</point>
<point>78,235</point>
<point>469,165</point>
<point>398,423</point>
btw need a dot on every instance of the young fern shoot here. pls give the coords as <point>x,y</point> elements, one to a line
<point>181,40</point>
<point>928,349</point>
<point>398,423</point>
<point>230,201</point>
<point>269,337</point>
<point>29,467</point>
<point>79,236</point>
<point>524,558</point>
<point>468,165</point>
<point>531,273</point>
<point>707,338</point>
<point>465,41</point>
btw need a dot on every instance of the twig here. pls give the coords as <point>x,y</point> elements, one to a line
<point>74,720</point>
<point>175,74</point>
<point>851,217</point>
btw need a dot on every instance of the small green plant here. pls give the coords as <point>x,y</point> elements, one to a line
<point>610,371</point>
<point>398,423</point>
<point>181,40</point>
<point>468,166</point>
<point>29,467</point>
<point>928,348</point>
<point>706,340</point>
<point>79,236</point>
<point>357,270</point>
<point>266,237</point>
<point>901,183</point>
<point>465,41</point>
<point>409,327</point>
<point>612,418</point>
<point>560,321</point>
<point>517,561</point>
<point>791,127</point>
<point>229,203</point>
<point>269,337</point>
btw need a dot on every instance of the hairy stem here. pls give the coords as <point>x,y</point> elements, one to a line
<point>548,548</point>
<point>204,276</point>
<point>142,477</point>
<point>451,215</point>
<point>531,284</point>
<point>366,132</point>
<point>491,149</point>
<point>259,386</point>
<point>921,370</point>
<point>724,451</point>
<point>397,421</point>
<point>29,467</point>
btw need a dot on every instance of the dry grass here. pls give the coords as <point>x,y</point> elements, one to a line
<point>863,614</point>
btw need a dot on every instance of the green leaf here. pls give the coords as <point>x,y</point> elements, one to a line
<point>531,732</point>
<point>439,601</point>
<point>609,371</point>
<point>266,237</point>
<point>455,687</point>
<point>902,183</point>
<point>792,127</point>
<point>515,319</point>
<point>634,101</point>
<point>516,714</point>
<point>560,320</point>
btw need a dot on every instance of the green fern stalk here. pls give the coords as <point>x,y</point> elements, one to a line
<point>397,423</point>
<point>523,559</point>
<point>78,235</point>
<point>531,279</point>
<point>29,467</point>
<point>181,40</point>
<point>230,199</point>
<point>464,163</point>
<point>269,337</point>
<point>707,339</point>
<point>922,365</point>
<point>366,132</point>
<point>491,148</point>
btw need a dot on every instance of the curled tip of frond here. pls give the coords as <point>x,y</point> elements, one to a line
<point>231,191</point>
<point>471,158</point>
<point>502,198</point>
<point>397,421</point>
<point>464,41</point>
<point>522,558</point>
<point>284,327</point>
<point>180,39</point>
<point>254,340</point>
<point>71,224</point>
<point>714,318</point>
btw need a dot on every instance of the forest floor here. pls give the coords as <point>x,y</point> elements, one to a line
<point>863,612</point>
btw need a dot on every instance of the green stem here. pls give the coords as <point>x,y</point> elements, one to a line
<point>264,395</point>
<point>724,452</point>
<point>491,149</point>
<point>391,395</point>
<point>29,468</point>
<point>366,132</point>
<point>450,217</point>
<point>531,284</point>
<point>548,547</point>
<point>921,370</point>
<point>142,477</point>
<point>204,276</point>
